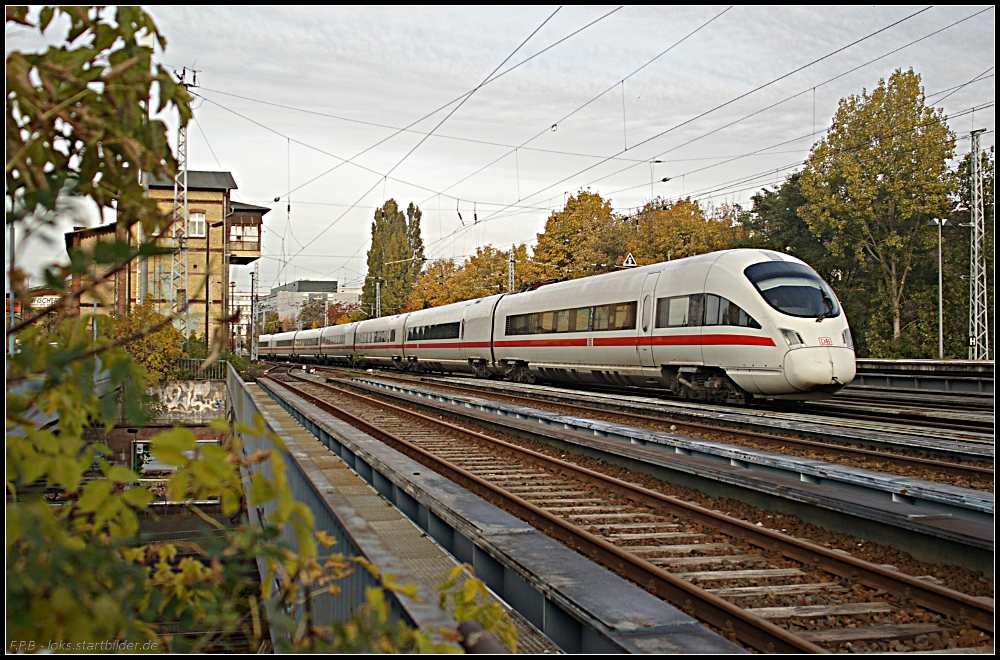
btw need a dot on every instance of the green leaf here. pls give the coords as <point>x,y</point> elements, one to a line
<point>66,472</point>
<point>137,497</point>
<point>121,475</point>
<point>169,447</point>
<point>261,490</point>
<point>94,495</point>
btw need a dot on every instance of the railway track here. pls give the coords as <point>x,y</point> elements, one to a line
<point>920,399</point>
<point>768,590</point>
<point>910,412</point>
<point>964,473</point>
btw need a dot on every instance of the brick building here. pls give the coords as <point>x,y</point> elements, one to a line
<point>221,234</point>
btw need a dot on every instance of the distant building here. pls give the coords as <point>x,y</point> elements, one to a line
<point>221,234</point>
<point>242,301</point>
<point>289,299</point>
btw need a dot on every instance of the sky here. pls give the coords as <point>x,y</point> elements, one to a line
<point>507,111</point>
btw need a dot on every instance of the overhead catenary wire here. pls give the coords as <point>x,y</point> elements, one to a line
<point>548,127</point>
<point>464,96</point>
<point>494,76</point>
<point>529,183</point>
<point>484,82</point>
<point>720,106</point>
<point>726,187</point>
<point>458,138</point>
<point>803,92</point>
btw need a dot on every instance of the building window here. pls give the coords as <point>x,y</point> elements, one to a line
<point>196,224</point>
<point>248,233</point>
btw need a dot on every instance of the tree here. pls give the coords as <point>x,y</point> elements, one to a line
<point>395,257</point>
<point>661,230</point>
<point>313,315</point>
<point>876,179</point>
<point>156,352</point>
<point>273,324</point>
<point>77,125</point>
<point>774,223</point>
<point>483,274</point>
<point>585,238</point>
<point>320,313</point>
<point>434,286</point>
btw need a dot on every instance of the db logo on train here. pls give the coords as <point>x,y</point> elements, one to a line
<point>825,341</point>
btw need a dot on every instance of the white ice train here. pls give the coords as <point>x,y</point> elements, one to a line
<point>726,326</point>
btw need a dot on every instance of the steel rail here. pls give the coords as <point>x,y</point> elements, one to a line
<point>953,469</point>
<point>934,597</point>
<point>856,410</point>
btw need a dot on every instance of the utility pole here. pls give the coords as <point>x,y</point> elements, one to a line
<point>510,271</point>
<point>179,257</point>
<point>979,334</point>
<point>378,297</point>
<point>253,317</point>
<point>940,222</point>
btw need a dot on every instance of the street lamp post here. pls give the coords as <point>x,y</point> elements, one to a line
<point>940,222</point>
<point>230,310</point>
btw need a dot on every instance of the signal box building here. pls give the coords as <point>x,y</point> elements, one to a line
<point>221,234</point>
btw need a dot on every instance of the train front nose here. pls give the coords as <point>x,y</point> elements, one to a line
<point>819,368</point>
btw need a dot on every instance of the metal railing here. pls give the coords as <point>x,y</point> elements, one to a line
<point>190,369</point>
<point>327,608</point>
<point>244,246</point>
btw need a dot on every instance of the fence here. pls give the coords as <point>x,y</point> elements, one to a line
<point>190,369</point>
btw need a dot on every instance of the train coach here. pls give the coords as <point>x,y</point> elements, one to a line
<point>726,326</point>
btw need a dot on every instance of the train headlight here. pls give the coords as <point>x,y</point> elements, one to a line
<point>792,338</point>
<point>846,336</point>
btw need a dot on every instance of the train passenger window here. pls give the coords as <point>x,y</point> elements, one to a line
<point>615,317</point>
<point>562,320</point>
<point>392,336</point>
<point>695,310</point>
<point>517,325</point>
<point>600,318</point>
<point>681,311</point>
<point>620,316</point>
<point>547,322</point>
<point>647,312</point>
<point>677,311</point>
<point>720,311</point>
<point>711,310</point>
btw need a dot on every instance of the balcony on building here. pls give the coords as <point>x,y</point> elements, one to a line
<point>245,224</point>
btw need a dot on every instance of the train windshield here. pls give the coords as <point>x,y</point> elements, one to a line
<point>793,289</point>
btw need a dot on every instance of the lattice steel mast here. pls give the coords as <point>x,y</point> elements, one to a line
<point>979,332</point>
<point>179,281</point>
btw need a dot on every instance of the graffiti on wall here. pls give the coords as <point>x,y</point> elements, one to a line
<point>191,401</point>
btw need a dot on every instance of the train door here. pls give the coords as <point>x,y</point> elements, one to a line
<point>677,319</point>
<point>647,303</point>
